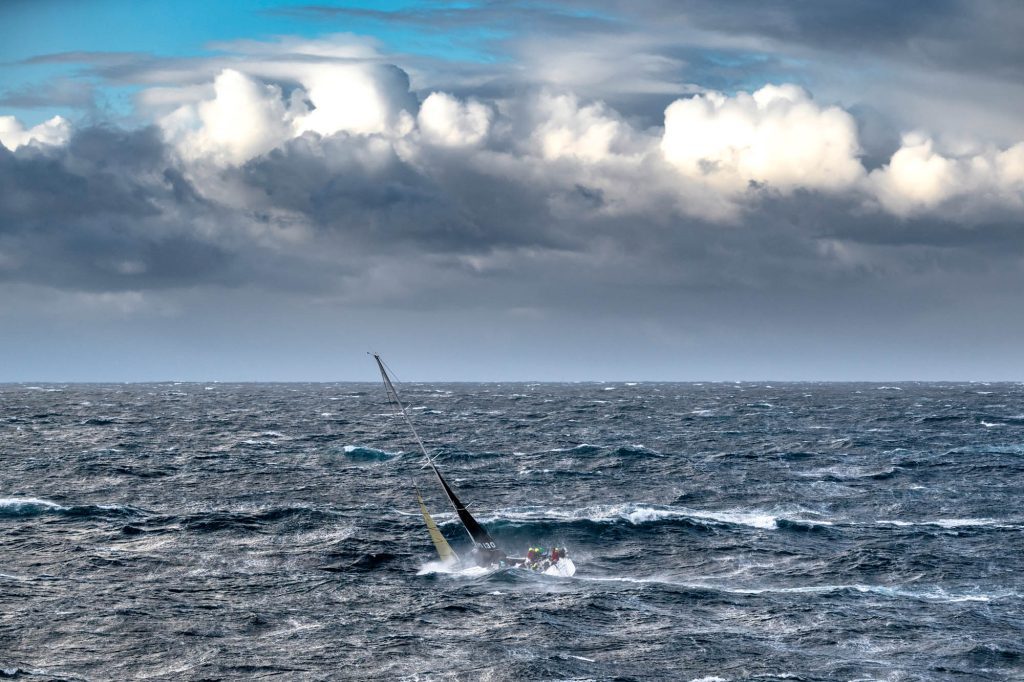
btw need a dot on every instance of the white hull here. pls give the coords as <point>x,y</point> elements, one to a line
<point>565,568</point>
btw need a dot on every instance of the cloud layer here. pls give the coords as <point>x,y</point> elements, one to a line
<point>334,175</point>
<point>320,148</point>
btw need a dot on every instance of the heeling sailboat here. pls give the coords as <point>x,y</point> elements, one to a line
<point>486,552</point>
<point>485,549</point>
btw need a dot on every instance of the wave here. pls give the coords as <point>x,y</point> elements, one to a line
<point>802,526</point>
<point>217,520</point>
<point>639,514</point>
<point>25,507</point>
<point>28,506</point>
<point>360,453</point>
<point>635,451</point>
<point>934,594</point>
<point>954,523</point>
<point>992,654</point>
<point>842,474</point>
<point>581,449</point>
<point>99,421</point>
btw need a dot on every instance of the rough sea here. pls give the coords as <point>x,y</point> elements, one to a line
<point>720,531</point>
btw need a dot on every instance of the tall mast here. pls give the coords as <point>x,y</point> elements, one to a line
<point>393,396</point>
<point>481,538</point>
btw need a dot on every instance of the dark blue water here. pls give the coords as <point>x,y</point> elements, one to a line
<point>720,531</point>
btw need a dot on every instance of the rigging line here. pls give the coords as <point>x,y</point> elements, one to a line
<point>393,403</point>
<point>391,371</point>
<point>393,395</point>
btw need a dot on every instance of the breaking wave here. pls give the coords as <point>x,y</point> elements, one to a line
<point>360,453</point>
<point>22,507</point>
<point>638,514</point>
<point>934,594</point>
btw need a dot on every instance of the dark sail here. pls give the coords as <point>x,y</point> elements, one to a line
<point>481,538</point>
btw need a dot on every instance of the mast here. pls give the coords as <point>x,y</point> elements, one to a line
<point>393,397</point>
<point>481,538</point>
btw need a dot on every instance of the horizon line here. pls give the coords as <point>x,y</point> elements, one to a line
<point>50,382</point>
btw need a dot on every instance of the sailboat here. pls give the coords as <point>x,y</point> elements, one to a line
<point>485,552</point>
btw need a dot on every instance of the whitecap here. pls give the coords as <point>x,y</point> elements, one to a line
<point>639,513</point>
<point>935,594</point>
<point>18,504</point>
<point>752,519</point>
<point>952,523</point>
<point>360,452</point>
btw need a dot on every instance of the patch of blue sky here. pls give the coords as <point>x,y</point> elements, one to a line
<point>185,28</point>
<point>164,27</point>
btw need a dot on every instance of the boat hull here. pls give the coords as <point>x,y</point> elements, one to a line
<point>565,568</point>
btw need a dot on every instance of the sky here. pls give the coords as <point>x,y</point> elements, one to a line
<point>695,190</point>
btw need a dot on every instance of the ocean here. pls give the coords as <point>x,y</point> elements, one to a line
<point>720,531</point>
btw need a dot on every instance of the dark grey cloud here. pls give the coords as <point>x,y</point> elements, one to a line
<point>481,254</point>
<point>113,210</point>
<point>394,207</point>
<point>971,35</point>
<point>91,216</point>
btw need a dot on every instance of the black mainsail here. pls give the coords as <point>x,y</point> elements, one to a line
<point>486,550</point>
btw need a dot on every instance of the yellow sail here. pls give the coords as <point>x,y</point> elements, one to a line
<point>443,548</point>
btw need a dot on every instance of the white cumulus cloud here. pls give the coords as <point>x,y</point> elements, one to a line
<point>352,98</point>
<point>712,149</point>
<point>246,113</point>
<point>919,178</point>
<point>13,134</point>
<point>777,136</point>
<point>446,121</point>
<point>245,118</point>
<point>589,133</point>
